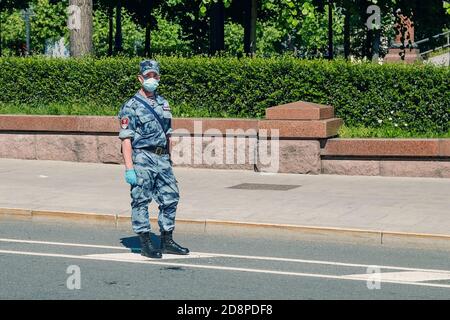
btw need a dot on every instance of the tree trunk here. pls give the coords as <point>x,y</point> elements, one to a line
<point>148,29</point>
<point>376,45</point>
<point>1,40</point>
<point>347,33</point>
<point>118,40</point>
<point>217,26</point>
<point>368,45</point>
<point>111,30</point>
<point>80,25</point>
<point>250,16</point>
<point>330,30</point>
<point>147,40</point>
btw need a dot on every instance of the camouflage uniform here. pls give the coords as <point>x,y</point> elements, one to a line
<point>155,178</point>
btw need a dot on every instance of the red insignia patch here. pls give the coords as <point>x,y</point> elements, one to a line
<point>124,123</point>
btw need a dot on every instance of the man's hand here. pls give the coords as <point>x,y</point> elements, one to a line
<point>130,177</point>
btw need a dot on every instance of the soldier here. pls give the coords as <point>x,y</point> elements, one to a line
<point>145,122</point>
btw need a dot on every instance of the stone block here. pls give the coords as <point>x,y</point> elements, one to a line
<point>290,156</point>
<point>108,148</point>
<point>214,152</point>
<point>433,169</point>
<point>351,167</point>
<point>302,128</point>
<point>17,146</point>
<point>382,147</point>
<point>300,110</point>
<point>78,148</point>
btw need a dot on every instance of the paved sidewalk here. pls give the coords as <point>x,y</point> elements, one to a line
<point>398,204</point>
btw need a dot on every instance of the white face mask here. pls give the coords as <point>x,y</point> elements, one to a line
<point>150,84</point>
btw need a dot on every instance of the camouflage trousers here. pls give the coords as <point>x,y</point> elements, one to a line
<point>155,180</point>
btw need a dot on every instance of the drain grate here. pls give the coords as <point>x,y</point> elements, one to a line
<point>265,186</point>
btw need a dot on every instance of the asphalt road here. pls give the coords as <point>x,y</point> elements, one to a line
<point>55,260</point>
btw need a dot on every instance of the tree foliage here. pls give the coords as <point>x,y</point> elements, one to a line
<point>183,26</point>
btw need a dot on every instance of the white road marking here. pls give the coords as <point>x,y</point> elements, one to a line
<point>153,262</point>
<point>408,276</point>
<point>137,257</point>
<point>66,244</point>
<point>321,262</point>
<point>331,263</point>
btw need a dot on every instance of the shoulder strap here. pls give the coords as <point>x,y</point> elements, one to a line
<point>149,107</point>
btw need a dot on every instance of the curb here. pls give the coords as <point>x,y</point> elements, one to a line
<point>379,236</point>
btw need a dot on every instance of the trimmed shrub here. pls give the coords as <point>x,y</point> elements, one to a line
<point>416,97</point>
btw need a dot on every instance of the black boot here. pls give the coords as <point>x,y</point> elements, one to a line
<point>147,248</point>
<point>170,246</point>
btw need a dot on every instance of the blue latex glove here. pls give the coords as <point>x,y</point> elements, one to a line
<point>130,177</point>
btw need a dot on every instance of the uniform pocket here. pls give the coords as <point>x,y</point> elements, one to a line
<point>138,188</point>
<point>146,118</point>
<point>147,124</point>
<point>167,114</point>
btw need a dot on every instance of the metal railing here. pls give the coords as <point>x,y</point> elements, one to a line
<point>433,41</point>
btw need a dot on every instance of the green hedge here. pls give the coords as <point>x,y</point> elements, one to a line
<point>362,94</point>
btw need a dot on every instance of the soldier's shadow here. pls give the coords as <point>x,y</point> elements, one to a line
<point>134,244</point>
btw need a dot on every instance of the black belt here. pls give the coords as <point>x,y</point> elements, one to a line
<point>157,150</point>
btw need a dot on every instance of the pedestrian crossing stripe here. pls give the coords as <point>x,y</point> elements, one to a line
<point>407,276</point>
<point>129,256</point>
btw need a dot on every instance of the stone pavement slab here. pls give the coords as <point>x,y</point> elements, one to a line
<point>397,204</point>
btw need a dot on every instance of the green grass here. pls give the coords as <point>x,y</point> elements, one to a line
<point>438,52</point>
<point>186,111</point>
<point>183,111</point>
<point>387,132</point>
<point>58,109</point>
